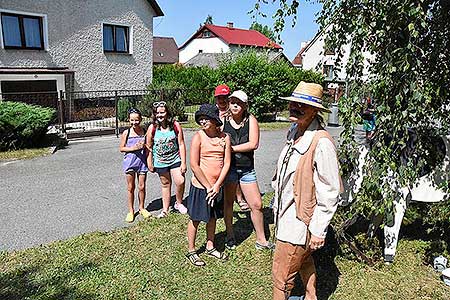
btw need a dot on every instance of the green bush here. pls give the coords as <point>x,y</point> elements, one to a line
<point>263,80</point>
<point>23,125</point>
<point>197,83</point>
<point>171,93</point>
<point>123,105</point>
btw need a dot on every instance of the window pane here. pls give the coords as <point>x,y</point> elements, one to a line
<point>11,31</point>
<point>107,38</point>
<point>32,32</point>
<point>121,39</point>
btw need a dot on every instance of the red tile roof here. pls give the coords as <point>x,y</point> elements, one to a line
<point>237,36</point>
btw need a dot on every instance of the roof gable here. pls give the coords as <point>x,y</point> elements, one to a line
<point>156,8</point>
<point>236,36</point>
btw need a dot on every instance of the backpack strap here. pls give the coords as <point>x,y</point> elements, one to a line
<point>128,135</point>
<point>152,135</point>
<point>176,128</point>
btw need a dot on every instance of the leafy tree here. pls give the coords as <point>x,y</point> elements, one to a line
<point>264,29</point>
<point>410,80</point>
<point>263,80</point>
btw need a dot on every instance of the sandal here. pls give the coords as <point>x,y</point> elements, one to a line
<point>194,259</point>
<point>243,205</point>
<point>144,213</point>
<point>216,254</point>
<point>162,214</point>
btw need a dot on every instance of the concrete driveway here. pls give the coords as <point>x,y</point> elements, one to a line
<point>81,189</point>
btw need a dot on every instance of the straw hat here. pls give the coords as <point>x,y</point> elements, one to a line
<point>308,93</point>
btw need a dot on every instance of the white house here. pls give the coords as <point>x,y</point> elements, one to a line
<point>314,56</point>
<point>54,45</point>
<point>223,39</point>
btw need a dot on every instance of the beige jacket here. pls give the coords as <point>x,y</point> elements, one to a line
<point>326,182</point>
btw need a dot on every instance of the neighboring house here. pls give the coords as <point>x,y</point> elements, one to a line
<point>314,56</point>
<point>165,50</point>
<point>298,60</point>
<point>212,60</point>
<point>223,39</point>
<point>82,45</point>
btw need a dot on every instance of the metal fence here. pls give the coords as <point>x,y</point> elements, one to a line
<point>100,111</point>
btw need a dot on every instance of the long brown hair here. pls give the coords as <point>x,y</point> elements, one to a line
<point>169,115</point>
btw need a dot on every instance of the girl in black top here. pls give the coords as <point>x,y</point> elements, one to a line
<point>243,129</point>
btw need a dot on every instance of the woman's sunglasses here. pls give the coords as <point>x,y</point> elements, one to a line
<point>159,103</point>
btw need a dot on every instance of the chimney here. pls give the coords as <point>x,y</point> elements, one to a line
<point>230,24</point>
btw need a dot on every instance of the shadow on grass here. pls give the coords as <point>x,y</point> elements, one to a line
<point>30,283</point>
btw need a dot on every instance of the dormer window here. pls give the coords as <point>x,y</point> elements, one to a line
<point>206,34</point>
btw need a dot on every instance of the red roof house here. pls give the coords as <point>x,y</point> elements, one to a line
<point>222,39</point>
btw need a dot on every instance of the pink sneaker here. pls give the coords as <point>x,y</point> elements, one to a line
<point>181,208</point>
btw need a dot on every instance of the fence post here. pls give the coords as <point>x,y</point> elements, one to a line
<point>116,101</point>
<point>61,111</point>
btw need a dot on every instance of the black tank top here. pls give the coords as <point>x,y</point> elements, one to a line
<point>240,136</point>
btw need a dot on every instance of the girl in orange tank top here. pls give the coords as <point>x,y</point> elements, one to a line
<point>210,157</point>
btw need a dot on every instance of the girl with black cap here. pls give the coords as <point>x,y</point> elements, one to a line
<point>210,161</point>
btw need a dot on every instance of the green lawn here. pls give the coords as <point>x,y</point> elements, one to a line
<point>146,261</point>
<point>24,153</point>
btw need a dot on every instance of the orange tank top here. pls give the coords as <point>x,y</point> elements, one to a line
<point>212,152</point>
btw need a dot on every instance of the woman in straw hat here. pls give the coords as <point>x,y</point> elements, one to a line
<point>307,185</point>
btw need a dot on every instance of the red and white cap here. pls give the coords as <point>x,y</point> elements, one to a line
<point>222,90</point>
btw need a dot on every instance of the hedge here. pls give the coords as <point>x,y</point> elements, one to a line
<point>253,72</point>
<point>23,125</point>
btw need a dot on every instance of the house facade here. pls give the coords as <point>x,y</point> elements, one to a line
<point>313,55</point>
<point>55,45</point>
<point>224,39</point>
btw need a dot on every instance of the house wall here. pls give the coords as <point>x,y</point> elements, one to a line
<point>208,45</point>
<point>313,58</point>
<point>75,41</point>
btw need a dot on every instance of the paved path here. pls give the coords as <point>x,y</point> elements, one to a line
<point>81,189</point>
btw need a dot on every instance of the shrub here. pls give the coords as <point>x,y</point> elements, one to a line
<point>171,93</point>
<point>253,72</point>
<point>123,105</point>
<point>23,125</point>
<point>263,80</point>
<point>197,83</point>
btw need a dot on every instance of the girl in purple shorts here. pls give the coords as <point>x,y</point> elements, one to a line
<point>132,144</point>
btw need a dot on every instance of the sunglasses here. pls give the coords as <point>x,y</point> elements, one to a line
<point>134,111</point>
<point>159,103</point>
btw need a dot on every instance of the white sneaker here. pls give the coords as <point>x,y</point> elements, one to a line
<point>181,208</point>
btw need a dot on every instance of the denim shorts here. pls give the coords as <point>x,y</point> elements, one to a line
<point>241,175</point>
<point>163,170</point>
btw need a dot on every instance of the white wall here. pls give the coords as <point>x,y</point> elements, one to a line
<point>75,41</point>
<point>208,45</point>
<point>313,58</point>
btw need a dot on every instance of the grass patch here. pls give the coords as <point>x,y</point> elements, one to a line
<point>146,261</point>
<point>24,153</point>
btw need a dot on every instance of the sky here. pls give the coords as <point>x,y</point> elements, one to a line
<point>182,19</point>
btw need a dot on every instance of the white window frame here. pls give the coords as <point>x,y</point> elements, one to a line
<point>130,36</point>
<point>24,13</point>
